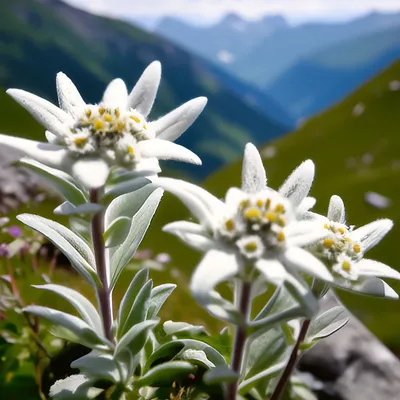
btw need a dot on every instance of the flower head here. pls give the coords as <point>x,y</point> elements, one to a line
<point>255,226</point>
<point>85,140</point>
<point>344,247</point>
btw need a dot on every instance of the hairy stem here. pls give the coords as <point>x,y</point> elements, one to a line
<point>280,387</point>
<point>104,293</point>
<point>240,338</point>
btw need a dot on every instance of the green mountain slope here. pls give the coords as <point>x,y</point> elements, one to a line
<point>321,79</point>
<point>40,38</point>
<point>341,145</point>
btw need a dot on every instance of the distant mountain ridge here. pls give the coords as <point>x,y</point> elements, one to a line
<point>223,42</point>
<point>323,78</point>
<point>267,60</point>
<point>38,38</point>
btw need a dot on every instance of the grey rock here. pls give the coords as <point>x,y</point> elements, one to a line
<point>17,185</point>
<point>353,364</point>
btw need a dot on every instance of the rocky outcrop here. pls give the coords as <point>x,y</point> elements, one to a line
<point>352,364</point>
<point>17,185</point>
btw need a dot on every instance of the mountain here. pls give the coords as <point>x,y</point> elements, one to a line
<point>38,38</point>
<point>356,148</point>
<point>264,63</point>
<point>323,78</point>
<point>223,42</point>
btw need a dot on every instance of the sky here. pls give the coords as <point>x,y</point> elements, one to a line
<point>208,11</point>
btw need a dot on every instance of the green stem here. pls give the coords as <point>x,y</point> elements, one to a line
<point>104,293</point>
<point>240,338</point>
<point>280,387</point>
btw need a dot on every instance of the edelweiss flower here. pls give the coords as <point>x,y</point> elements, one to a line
<point>343,251</point>
<point>87,139</point>
<point>254,227</point>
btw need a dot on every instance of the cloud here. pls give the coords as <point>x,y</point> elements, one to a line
<point>212,9</point>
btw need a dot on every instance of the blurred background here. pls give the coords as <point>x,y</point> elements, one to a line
<point>315,79</point>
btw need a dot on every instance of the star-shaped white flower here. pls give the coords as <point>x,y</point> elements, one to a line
<point>255,226</point>
<point>344,248</point>
<point>85,140</point>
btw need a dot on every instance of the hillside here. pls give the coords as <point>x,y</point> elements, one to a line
<point>266,61</point>
<point>38,38</point>
<point>353,155</point>
<point>323,78</point>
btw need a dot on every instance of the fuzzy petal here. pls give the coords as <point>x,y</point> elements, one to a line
<point>116,93</point>
<point>192,234</point>
<point>49,154</point>
<point>172,125</point>
<point>166,150</point>
<point>68,95</point>
<point>214,205</point>
<point>298,184</point>
<point>304,233</point>
<point>51,138</point>
<point>92,173</point>
<point>303,261</point>
<point>148,164</point>
<point>234,196</point>
<point>50,116</point>
<point>254,178</point>
<point>144,93</point>
<point>372,286</point>
<point>200,202</point>
<point>367,267</point>
<point>306,205</point>
<point>371,234</point>
<point>184,226</point>
<point>274,272</point>
<point>336,210</point>
<point>215,267</point>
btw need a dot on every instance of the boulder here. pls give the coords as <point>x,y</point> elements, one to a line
<point>352,364</point>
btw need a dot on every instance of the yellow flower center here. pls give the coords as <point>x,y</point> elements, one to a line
<point>346,266</point>
<point>252,213</point>
<point>251,247</point>
<point>230,225</point>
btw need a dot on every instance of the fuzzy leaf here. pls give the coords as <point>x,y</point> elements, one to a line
<point>218,375</point>
<point>129,298</point>
<point>165,374</point>
<point>174,328</point>
<point>127,205</point>
<point>138,311</point>
<point>268,373</point>
<point>59,180</point>
<point>135,338</point>
<point>75,387</point>
<point>117,232</point>
<point>159,296</point>
<point>265,350</point>
<point>86,335</point>
<point>166,351</point>
<point>113,191</point>
<point>75,249</point>
<point>327,323</point>
<point>84,307</point>
<point>68,208</point>
<point>139,226</point>
<point>98,365</point>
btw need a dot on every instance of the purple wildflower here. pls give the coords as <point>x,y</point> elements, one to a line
<point>15,231</point>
